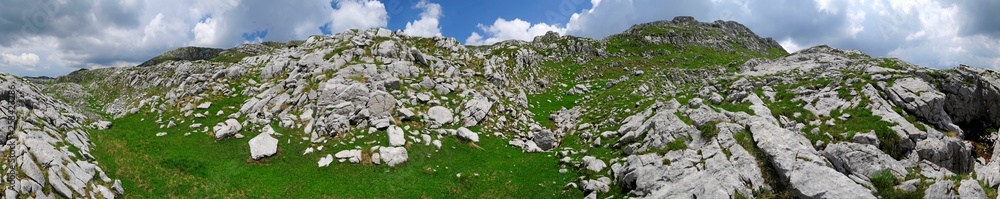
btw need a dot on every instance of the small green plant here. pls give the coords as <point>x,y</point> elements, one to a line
<point>885,183</point>
<point>709,130</point>
<point>677,144</point>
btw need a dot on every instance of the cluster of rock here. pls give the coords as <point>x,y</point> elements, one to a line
<point>47,147</point>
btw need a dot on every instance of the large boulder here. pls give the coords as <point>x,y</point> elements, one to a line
<point>951,153</point>
<point>228,128</point>
<point>941,189</point>
<point>393,156</point>
<point>920,98</point>
<point>475,110</point>
<point>861,159</point>
<point>545,140</point>
<point>970,189</point>
<point>381,104</point>
<point>439,115</point>
<point>396,136</point>
<point>467,134</point>
<point>593,164</point>
<point>263,145</point>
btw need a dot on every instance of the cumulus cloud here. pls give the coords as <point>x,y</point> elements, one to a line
<point>25,59</point>
<point>427,25</point>
<point>513,29</point>
<point>358,14</point>
<point>69,35</point>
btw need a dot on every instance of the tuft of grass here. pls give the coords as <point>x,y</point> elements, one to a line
<point>709,130</point>
<point>885,183</point>
<point>677,144</point>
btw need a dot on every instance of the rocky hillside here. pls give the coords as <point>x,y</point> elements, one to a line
<point>667,109</point>
<point>47,148</point>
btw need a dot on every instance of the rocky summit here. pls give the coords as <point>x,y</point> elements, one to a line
<point>666,109</point>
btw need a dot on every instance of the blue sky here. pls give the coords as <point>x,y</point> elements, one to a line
<point>52,37</point>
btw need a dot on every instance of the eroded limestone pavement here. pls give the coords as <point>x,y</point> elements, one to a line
<point>818,123</point>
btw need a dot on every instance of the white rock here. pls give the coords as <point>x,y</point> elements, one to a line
<point>161,134</point>
<point>227,128</point>
<point>354,155</point>
<point>263,145</point>
<point>467,134</point>
<point>439,115</point>
<point>396,136</point>
<point>205,105</point>
<point>593,164</point>
<point>971,189</point>
<point>393,156</point>
<point>101,125</point>
<point>325,161</point>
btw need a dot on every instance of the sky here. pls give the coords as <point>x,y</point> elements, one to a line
<point>55,37</point>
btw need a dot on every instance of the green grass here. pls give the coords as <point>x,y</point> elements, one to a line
<point>229,57</point>
<point>197,166</point>
<point>709,130</point>
<point>885,183</point>
<point>545,104</point>
<point>677,144</point>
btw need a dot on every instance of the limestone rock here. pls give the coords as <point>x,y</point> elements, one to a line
<point>393,156</point>
<point>475,110</point>
<point>862,159</point>
<point>325,161</point>
<point>917,96</point>
<point>228,128</point>
<point>951,153</point>
<point>101,125</point>
<point>439,115</point>
<point>970,189</point>
<point>941,189</point>
<point>795,158</point>
<point>354,155</point>
<point>467,134</point>
<point>593,164</point>
<point>396,136</point>
<point>263,145</point>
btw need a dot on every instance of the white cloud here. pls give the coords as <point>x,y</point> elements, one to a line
<point>358,14</point>
<point>25,59</point>
<point>427,25</point>
<point>87,34</point>
<point>514,29</point>
<point>204,33</point>
<point>789,45</point>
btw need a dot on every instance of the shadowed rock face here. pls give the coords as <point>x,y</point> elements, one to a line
<point>972,98</point>
<point>667,109</point>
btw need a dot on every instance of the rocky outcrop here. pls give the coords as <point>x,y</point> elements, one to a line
<point>797,160</point>
<point>37,131</point>
<point>951,153</point>
<point>861,159</point>
<point>918,97</point>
